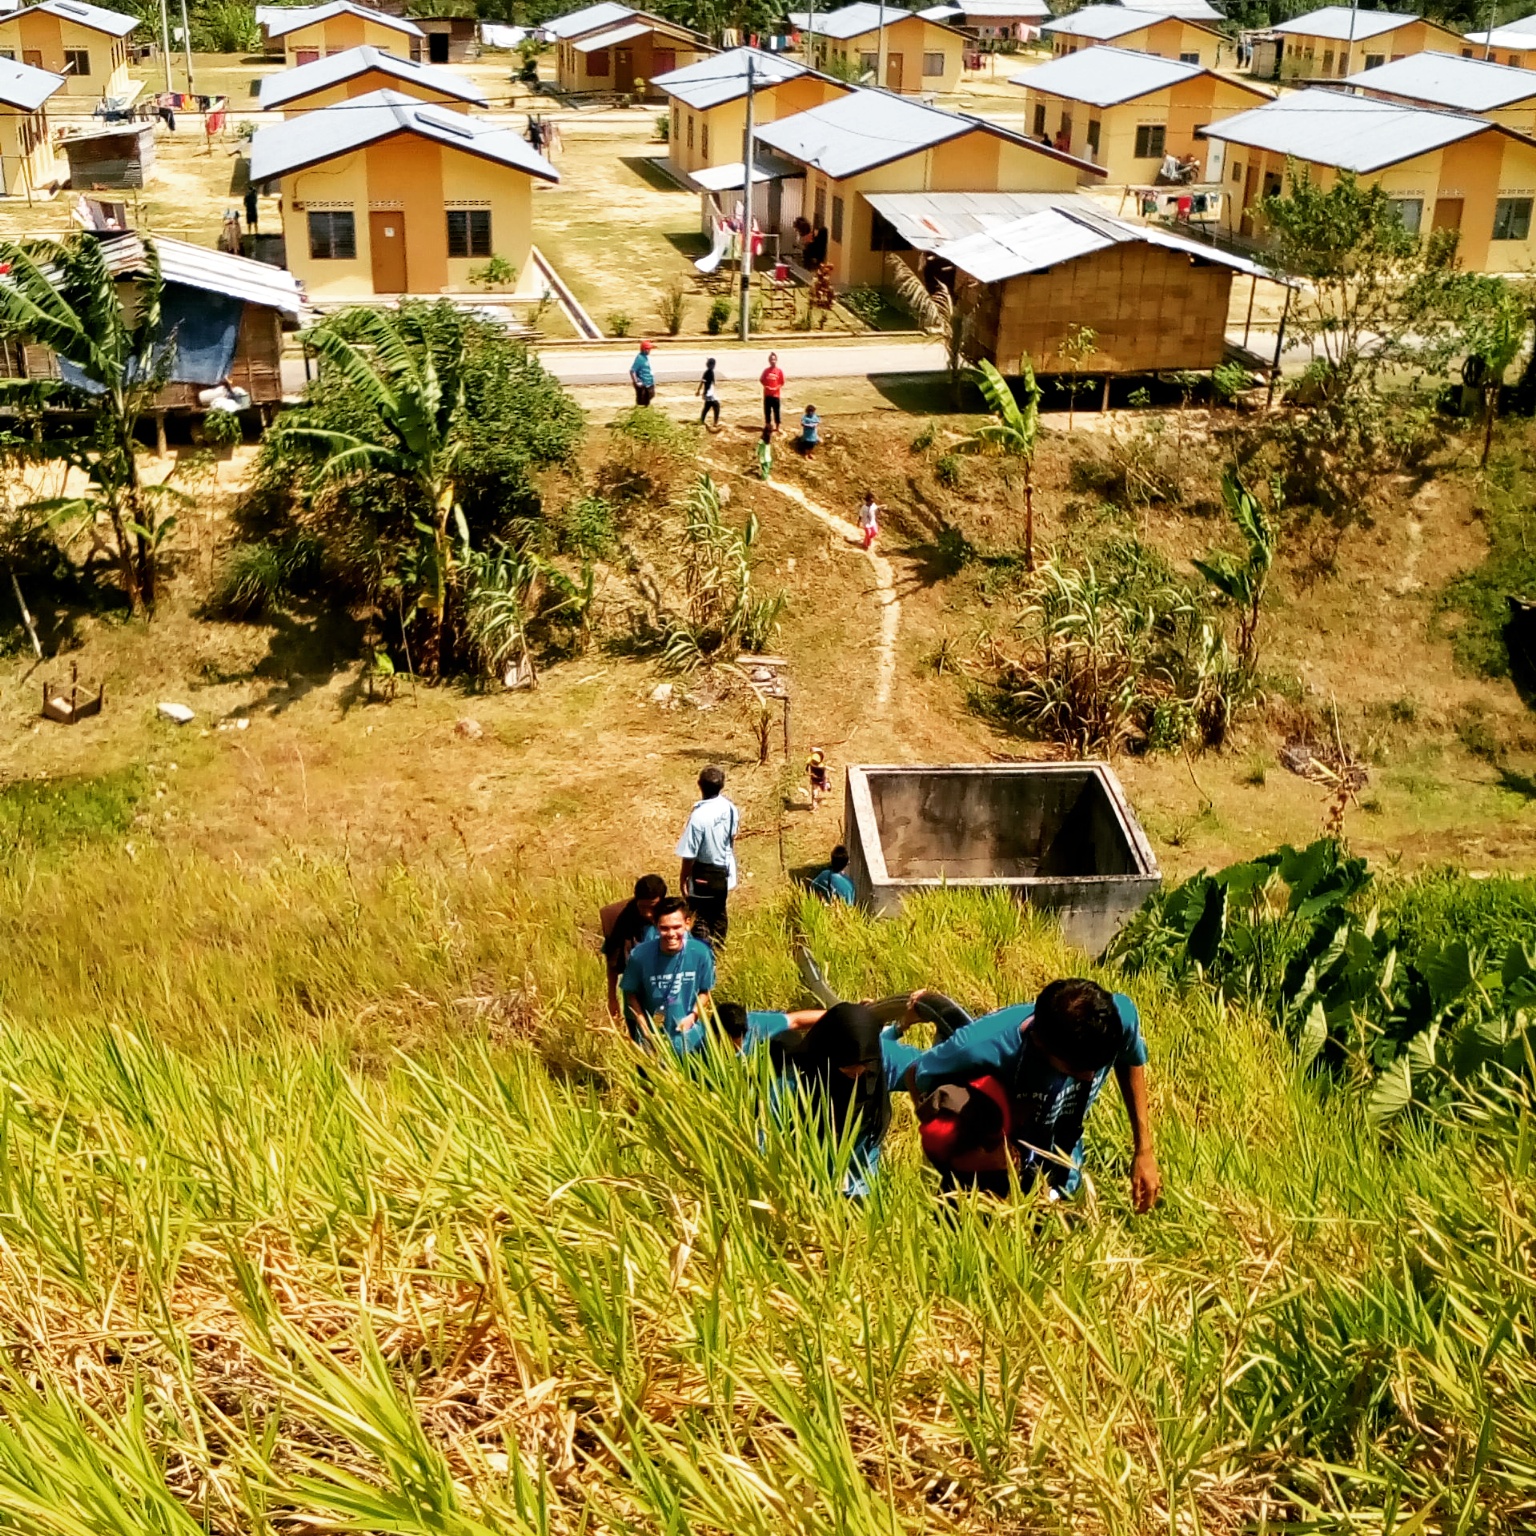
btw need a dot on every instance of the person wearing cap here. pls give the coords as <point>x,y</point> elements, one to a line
<point>642,376</point>
<point>1012,1090</point>
<point>708,851</point>
<point>832,884</point>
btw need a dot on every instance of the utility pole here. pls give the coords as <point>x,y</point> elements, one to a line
<point>1349,47</point>
<point>746,205</point>
<point>186,43</point>
<point>165,42</point>
<point>1493,13</point>
<point>810,35</point>
<point>880,50</point>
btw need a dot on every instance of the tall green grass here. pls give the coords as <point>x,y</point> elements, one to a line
<point>328,1201</point>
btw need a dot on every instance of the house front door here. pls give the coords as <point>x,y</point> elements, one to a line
<point>893,71</point>
<point>1250,185</point>
<point>623,69</point>
<point>437,47</point>
<point>33,57</point>
<point>663,61</point>
<point>1448,213</point>
<point>386,244</point>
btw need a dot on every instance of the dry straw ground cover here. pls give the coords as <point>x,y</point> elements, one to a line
<point>328,1204</point>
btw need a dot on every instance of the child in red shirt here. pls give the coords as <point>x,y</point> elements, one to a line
<point>772,381</point>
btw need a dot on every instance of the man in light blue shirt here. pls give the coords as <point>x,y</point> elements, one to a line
<point>668,977</point>
<point>708,851</point>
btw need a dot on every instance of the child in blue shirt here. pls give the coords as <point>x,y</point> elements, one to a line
<point>810,432</point>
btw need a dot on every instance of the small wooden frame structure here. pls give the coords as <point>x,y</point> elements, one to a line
<point>120,156</point>
<point>68,708</point>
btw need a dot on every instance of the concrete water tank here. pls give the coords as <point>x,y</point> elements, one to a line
<point>1060,836</point>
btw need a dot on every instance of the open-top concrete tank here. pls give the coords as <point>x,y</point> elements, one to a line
<point>1058,835</point>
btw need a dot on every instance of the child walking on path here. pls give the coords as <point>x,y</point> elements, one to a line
<point>711,395</point>
<point>869,519</point>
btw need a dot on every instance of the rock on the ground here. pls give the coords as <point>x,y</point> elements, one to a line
<point>662,694</point>
<point>799,799</point>
<point>470,729</point>
<point>177,712</point>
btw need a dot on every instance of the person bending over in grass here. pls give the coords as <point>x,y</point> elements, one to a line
<point>848,1065</point>
<point>626,924</point>
<point>833,884</point>
<point>666,979</point>
<point>747,1029</point>
<point>1030,1074</point>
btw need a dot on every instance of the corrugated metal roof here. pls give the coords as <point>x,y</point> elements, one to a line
<point>1103,21</point>
<point>307,16</point>
<point>930,219</point>
<point>722,178</point>
<point>98,19</point>
<point>1513,34</point>
<point>941,13</point>
<point>723,76</point>
<point>614,36</point>
<point>1336,21</point>
<point>1353,133</point>
<point>306,79</point>
<point>338,130</point>
<point>197,266</point>
<point>26,88</point>
<point>1106,76</point>
<point>855,20</point>
<point>1057,235</point>
<point>865,129</point>
<point>1447,80</point>
<point>1009,10</point>
<point>577,23</point>
<point>1186,10</point>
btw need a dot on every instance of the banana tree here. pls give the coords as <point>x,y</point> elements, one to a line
<point>412,395</point>
<point>1013,433</point>
<point>1243,582</point>
<point>114,360</point>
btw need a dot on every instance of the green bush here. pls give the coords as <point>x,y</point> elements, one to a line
<point>39,814</point>
<point>222,429</point>
<point>619,323</point>
<point>588,528</point>
<point>866,304</point>
<point>926,437</point>
<point>947,471</point>
<point>719,315</point>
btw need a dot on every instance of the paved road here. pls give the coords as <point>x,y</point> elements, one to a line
<point>800,360</point>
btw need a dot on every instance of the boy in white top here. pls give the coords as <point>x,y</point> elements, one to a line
<point>708,851</point>
<point>869,519</point>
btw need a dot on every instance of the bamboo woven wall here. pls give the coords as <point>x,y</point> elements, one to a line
<point>1154,310</point>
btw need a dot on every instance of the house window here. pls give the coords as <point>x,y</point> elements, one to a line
<point>1237,171</point>
<point>77,61</point>
<point>8,53</point>
<point>704,140</point>
<point>1466,53</point>
<point>1093,136</point>
<point>819,216</point>
<point>933,63</point>
<point>663,61</point>
<point>1512,218</point>
<point>1375,60</point>
<point>1149,141</point>
<point>1328,62</point>
<point>469,231</point>
<point>837,220</point>
<point>868,63</point>
<point>1039,121</point>
<point>332,237</point>
<point>1189,58</point>
<point>597,62</point>
<point>1409,211</point>
<point>690,132</point>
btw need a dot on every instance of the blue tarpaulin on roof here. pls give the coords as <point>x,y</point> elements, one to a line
<point>205,327</point>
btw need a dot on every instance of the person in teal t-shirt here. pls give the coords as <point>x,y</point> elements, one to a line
<point>669,976</point>
<point>832,884</point>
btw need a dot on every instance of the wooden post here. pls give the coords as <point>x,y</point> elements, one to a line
<point>161,446</point>
<point>1253,290</point>
<point>786,727</point>
<point>1274,371</point>
<point>1104,398</point>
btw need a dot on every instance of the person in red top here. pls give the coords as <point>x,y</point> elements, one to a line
<point>773,386</point>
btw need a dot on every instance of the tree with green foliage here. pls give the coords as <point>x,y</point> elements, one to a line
<point>1242,582</point>
<point>1012,433</point>
<point>1495,320</point>
<point>414,446</point>
<point>114,360</point>
<point>1076,347</point>
<point>1376,312</point>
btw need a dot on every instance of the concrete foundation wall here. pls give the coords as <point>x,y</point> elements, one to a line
<point>1058,835</point>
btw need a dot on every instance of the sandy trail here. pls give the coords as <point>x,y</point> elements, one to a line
<point>885,590</point>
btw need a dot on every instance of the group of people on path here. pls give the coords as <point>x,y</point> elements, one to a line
<point>642,376</point>
<point>1001,1100</point>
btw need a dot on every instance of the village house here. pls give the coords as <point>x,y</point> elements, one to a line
<point>1121,26</point>
<point>1156,302</point>
<point>920,55</point>
<point>1125,111</point>
<point>1336,41</point>
<point>1495,91</point>
<point>226,312</point>
<point>86,45</point>
<point>1444,170</point>
<point>1513,44</point>
<point>1190,10</point>
<point>359,72</point>
<point>709,102</point>
<point>993,21</point>
<point>450,39</point>
<point>613,48</point>
<point>870,142</point>
<point>317,31</point>
<point>385,194</point>
<point>27,162</point>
